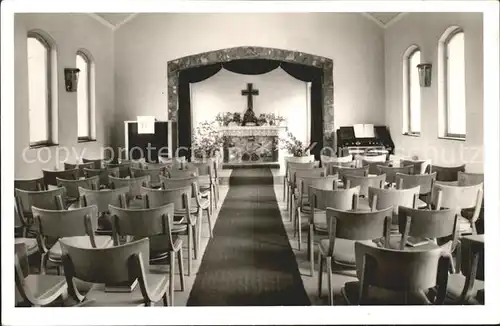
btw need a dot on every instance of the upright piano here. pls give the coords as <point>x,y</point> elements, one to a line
<point>365,140</point>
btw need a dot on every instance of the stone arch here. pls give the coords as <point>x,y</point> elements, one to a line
<point>252,52</point>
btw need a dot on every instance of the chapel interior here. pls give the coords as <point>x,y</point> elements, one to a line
<point>248,159</point>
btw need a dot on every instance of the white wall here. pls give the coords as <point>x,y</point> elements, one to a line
<point>70,33</point>
<point>144,45</point>
<point>424,30</point>
<point>279,93</point>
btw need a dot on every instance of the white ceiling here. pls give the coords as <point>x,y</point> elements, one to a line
<point>115,20</point>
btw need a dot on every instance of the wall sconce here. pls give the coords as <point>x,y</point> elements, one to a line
<point>71,78</point>
<point>424,74</point>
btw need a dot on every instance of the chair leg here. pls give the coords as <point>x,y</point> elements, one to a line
<point>320,274</point>
<point>209,218</point>
<point>198,241</point>
<point>190,252</point>
<point>195,239</point>
<point>43,263</point>
<point>165,298</point>
<point>284,189</point>
<point>172,274</point>
<point>330,280</point>
<point>310,249</point>
<point>180,261</point>
<point>299,225</point>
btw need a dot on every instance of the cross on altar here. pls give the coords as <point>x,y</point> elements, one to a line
<point>250,92</point>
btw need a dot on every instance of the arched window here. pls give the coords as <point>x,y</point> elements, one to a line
<point>41,117</point>
<point>411,91</point>
<point>452,83</point>
<point>84,94</point>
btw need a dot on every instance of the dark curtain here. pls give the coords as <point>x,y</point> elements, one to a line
<point>250,67</point>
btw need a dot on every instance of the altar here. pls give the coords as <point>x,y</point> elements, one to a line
<point>251,144</point>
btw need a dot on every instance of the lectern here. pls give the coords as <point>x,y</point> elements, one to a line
<point>162,141</point>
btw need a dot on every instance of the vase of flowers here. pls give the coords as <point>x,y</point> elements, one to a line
<point>207,140</point>
<point>294,146</point>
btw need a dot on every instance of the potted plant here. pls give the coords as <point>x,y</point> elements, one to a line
<point>294,146</point>
<point>207,140</point>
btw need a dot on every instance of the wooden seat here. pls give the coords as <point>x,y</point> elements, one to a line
<point>50,176</point>
<point>344,228</point>
<point>447,173</point>
<point>102,174</point>
<point>114,266</point>
<point>48,199</point>
<point>157,224</point>
<point>78,225</point>
<point>34,290</point>
<point>154,174</point>
<point>190,214</point>
<point>391,172</point>
<point>403,275</point>
<point>419,166</point>
<point>133,184</point>
<point>71,186</point>
<point>35,184</point>
<point>376,181</point>
<point>343,199</point>
<point>80,166</point>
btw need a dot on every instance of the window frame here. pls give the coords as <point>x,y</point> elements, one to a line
<point>49,120</point>
<point>409,52</point>
<point>87,59</point>
<point>446,41</point>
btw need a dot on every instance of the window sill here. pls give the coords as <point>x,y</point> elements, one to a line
<point>41,145</point>
<point>411,134</point>
<point>452,138</point>
<point>85,140</point>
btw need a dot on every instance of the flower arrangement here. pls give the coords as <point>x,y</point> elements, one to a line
<point>224,118</point>
<point>293,145</point>
<point>207,140</point>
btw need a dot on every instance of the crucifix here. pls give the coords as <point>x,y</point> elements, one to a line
<point>249,92</point>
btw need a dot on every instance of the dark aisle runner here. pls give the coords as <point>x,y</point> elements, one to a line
<point>249,262</point>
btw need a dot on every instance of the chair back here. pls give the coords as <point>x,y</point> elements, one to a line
<point>456,197</point>
<point>48,199</point>
<point>49,176</point>
<point>343,199</point>
<point>133,184</point>
<point>176,183</point>
<point>103,174</point>
<point>133,163</point>
<point>425,181</point>
<point>66,223</point>
<point>314,172</point>
<point>400,270</point>
<point>154,166</point>
<point>357,225</point>
<point>373,166</point>
<point>154,174</point>
<point>419,166</point>
<point>343,171</point>
<point>292,167</point>
<point>305,182</point>
<point>470,179</point>
<point>395,198</point>
<point>123,169</point>
<point>426,223</point>
<point>36,184</point>
<point>333,159</point>
<point>205,168</point>
<point>98,162</point>
<point>391,172</point>
<point>103,198</point>
<point>80,166</point>
<point>447,173</point>
<point>377,181</point>
<point>155,223</point>
<point>184,173</point>
<point>472,259</point>
<point>110,266</point>
<point>373,158</point>
<point>180,197</point>
<point>72,186</point>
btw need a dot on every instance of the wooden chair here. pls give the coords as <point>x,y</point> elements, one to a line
<point>333,159</point>
<point>343,199</point>
<point>114,266</point>
<point>80,166</point>
<point>373,166</point>
<point>391,172</point>
<point>188,223</point>
<point>470,179</point>
<point>154,175</point>
<point>305,162</point>
<point>50,176</point>
<point>71,186</point>
<point>157,224</point>
<point>34,290</point>
<point>297,172</point>
<point>376,181</point>
<point>465,286</point>
<point>123,168</point>
<point>154,166</point>
<point>102,174</point>
<point>207,180</point>
<point>344,228</point>
<point>383,198</point>
<point>78,225</point>
<point>343,171</point>
<point>373,158</point>
<point>419,166</point>
<point>405,274</point>
<point>425,181</point>
<point>133,184</point>
<point>184,173</point>
<point>447,173</point>
<point>49,199</point>
<point>102,199</point>
<point>459,198</point>
<point>36,184</point>
<point>98,162</point>
<point>133,163</point>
